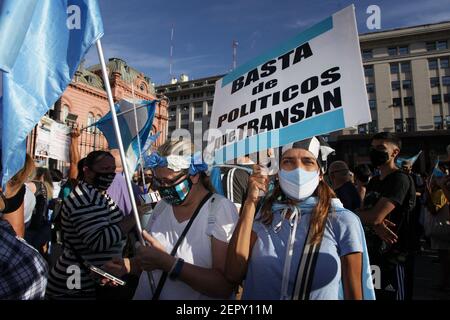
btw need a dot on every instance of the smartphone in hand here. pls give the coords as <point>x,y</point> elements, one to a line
<point>106,275</point>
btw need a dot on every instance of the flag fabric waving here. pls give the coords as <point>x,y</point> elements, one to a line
<point>413,159</point>
<point>128,128</point>
<point>150,141</point>
<point>39,61</point>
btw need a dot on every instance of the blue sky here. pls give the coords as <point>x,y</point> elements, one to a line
<point>139,31</point>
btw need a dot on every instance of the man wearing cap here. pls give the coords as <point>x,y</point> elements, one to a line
<point>345,190</point>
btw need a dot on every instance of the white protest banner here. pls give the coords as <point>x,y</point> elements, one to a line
<point>52,140</point>
<point>310,85</point>
<point>43,139</point>
<point>60,143</point>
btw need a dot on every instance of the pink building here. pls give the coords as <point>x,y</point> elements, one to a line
<point>86,98</point>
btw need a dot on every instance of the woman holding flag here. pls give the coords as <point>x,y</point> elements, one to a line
<point>188,232</point>
<point>302,244</point>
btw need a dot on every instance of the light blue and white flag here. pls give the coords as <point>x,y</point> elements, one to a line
<point>413,159</point>
<point>41,45</point>
<point>150,141</point>
<point>128,128</point>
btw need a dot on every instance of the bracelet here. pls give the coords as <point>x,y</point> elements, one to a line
<point>175,271</point>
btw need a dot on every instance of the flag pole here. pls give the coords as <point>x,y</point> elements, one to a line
<point>139,141</point>
<point>121,149</point>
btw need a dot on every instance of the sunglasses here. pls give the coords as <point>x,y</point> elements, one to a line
<point>156,182</point>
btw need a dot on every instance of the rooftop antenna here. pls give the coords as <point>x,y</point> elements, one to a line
<point>171,54</point>
<point>235,44</point>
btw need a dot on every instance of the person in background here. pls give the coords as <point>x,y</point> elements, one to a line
<point>93,229</point>
<point>387,210</point>
<point>12,198</point>
<point>343,186</point>
<point>118,190</point>
<point>57,178</point>
<point>23,271</point>
<point>76,165</point>
<point>38,232</point>
<point>438,206</point>
<point>362,178</point>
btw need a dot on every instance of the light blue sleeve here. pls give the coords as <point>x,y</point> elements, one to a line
<point>348,232</point>
<point>350,238</point>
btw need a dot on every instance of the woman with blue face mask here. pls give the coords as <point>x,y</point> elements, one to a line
<point>188,232</point>
<point>302,244</point>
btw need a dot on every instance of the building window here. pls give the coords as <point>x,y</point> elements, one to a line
<point>410,125</point>
<point>142,87</point>
<point>448,122</point>
<point>197,95</point>
<point>185,117</point>
<point>362,129</point>
<point>173,109</point>
<point>395,85</point>
<point>367,54</point>
<point>90,120</point>
<point>185,126</point>
<point>442,45</point>
<point>398,124</point>
<point>373,127</point>
<point>406,66</point>
<point>372,104</point>
<point>368,71</point>
<point>198,115</point>
<point>432,64</point>
<point>397,102</point>
<point>172,128</point>
<point>392,51</point>
<point>438,125</point>
<point>403,50</point>
<point>394,68</point>
<point>370,88</point>
<point>434,82</point>
<point>408,101</point>
<point>446,97</point>
<point>436,98</point>
<point>444,63</point>
<point>431,46</point>
<point>185,97</point>
<point>446,81</point>
<point>64,112</point>
<point>406,84</point>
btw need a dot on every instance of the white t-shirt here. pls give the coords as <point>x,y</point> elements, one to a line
<point>29,204</point>
<point>217,218</point>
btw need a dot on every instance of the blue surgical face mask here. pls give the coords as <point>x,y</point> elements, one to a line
<point>298,184</point>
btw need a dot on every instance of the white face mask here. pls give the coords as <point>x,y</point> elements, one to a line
<point>298,184</point>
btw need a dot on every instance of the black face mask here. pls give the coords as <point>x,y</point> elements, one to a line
<point>378,157</point>
<point>13,203</point>
<point>103,181</point>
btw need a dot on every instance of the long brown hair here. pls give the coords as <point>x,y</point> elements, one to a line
<point>320,212</point>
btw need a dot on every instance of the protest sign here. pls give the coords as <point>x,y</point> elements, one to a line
<point>52,140</point>
<point>310,85</point>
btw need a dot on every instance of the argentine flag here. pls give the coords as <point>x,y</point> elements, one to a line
<point>128,130</point>
<point>41,45</point>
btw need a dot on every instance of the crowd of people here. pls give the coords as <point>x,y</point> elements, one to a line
<point>308,230</point>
